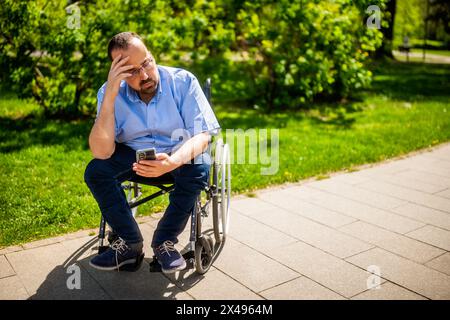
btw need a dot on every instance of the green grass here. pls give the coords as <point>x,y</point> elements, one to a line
<point>42,161</point>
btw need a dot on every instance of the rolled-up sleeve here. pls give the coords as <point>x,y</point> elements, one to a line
<point>196,111</point>
<point>100,96</point>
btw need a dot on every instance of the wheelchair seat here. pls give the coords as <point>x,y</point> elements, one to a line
<point>166,178</point>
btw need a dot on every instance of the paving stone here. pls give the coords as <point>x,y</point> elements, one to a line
<point>429,165</point>
<point>280,196</point>
<point>139,285</point>
<point>38,243</point>
<point>331,272</point>
<point>301,288</point>
<point>81,248</point>
<point>426,177</point>
<point>147,231</point>
<point>393,242</point>
<point>116,283</point>
<point>322,215</point>
<point>439,167</point>
<point>5,268</point>
<point>320,236</point>
<point>426,162</point>
<point>81,234</point>
<point>406,273</point>
<point>410,195</point>
<point>38,260</point>
<point>45,272</point>
<point>406,182</point>
<point>392,167</point>
<point>12,289</point>
<point>10,249</point>
<point>157,216</point>
<point>250,206</point>
<point>216,285</point>
<point>432,235</point>
<point>445,193</point>
<point>388,291</point>
<point>442,154</point>
<point>351,178</point>
<point>424,214</point>
<point>441,263</point>
<point>374,199</point>
<point>251,268</point>
<point>366,213</point>
<point>153,222</point>
<point>257,235</point>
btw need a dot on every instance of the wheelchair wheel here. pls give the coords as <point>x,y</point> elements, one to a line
<point>203,254</point>
<point>221,199</point>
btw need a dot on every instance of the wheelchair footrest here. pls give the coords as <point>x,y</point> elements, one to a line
<point>188,256</point>
<point>133,267</point>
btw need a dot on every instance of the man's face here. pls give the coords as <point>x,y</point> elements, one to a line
<point>145,79</point>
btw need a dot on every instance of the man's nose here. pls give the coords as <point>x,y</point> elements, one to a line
<point>142,74</point>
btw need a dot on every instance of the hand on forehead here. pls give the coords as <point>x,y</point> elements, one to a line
<point>136,51</point>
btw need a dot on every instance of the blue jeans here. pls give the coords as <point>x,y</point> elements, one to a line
<point>104,178</point>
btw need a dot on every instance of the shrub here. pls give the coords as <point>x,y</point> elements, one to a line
<point>279,54</point>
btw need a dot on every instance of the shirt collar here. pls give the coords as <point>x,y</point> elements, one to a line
<point>131,93</point>
<point>134,97</point>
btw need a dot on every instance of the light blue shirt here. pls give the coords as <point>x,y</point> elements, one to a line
<point>177,112</point>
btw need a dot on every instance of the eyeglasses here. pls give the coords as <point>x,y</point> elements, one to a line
<point>147,65</point>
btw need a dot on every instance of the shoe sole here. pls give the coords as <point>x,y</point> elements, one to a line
<point>124,263</point>
<point>173,270</point>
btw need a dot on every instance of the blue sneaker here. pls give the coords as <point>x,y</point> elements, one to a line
<point>119,255</point>
<point>169,258</point>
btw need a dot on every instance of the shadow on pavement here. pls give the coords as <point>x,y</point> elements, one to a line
<point>76,280</point>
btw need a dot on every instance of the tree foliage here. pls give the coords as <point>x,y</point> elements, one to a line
<point>278,54</point>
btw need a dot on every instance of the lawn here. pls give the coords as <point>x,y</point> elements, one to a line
<point>42,161</point>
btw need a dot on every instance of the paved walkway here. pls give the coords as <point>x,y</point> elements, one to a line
<point>382,232</point>
<point>429,57</point>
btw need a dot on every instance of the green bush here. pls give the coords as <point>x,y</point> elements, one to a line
<point>277,54</point>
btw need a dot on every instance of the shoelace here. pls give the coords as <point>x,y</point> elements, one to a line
<point>166,247</point>
<point>119,246</point>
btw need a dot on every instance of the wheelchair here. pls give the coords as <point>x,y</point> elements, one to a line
<point>210,217</point>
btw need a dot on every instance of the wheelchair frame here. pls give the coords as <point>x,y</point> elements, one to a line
<point>203,247</point>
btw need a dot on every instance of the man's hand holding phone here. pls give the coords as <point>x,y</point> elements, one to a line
<point>151,164</point>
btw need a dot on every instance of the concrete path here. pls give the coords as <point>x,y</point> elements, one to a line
<point>429,57</point>
<point>382,232</point>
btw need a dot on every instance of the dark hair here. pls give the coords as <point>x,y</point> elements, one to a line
<point>121,41</point>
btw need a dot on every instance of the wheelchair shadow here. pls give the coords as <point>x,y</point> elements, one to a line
<point>188,278</point>
<point>75,279</point>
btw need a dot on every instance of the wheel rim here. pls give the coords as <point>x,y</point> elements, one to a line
<point>203,260</point>
<point>226,187</point>
<point>225,190</point>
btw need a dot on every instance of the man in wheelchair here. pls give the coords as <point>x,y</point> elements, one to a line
<point>144,105</point>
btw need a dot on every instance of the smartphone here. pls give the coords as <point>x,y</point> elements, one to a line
<point>146,154</point>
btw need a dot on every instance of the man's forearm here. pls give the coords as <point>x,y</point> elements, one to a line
<point>102,137</point>
<point>191,148</point>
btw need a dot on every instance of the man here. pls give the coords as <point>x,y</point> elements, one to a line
<point>146,105</point>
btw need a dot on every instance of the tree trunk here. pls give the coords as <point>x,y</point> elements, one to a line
<point>388,33</point>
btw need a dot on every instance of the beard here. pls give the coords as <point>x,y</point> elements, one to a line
<point>148,90</point>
